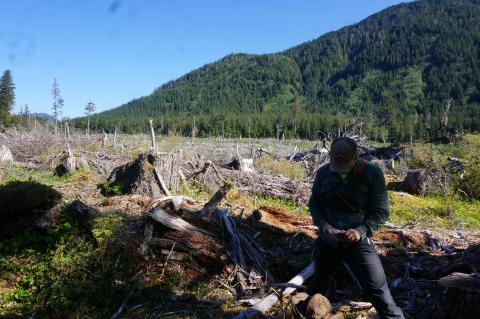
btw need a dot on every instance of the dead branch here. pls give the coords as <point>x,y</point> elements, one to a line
<point>215,200</point>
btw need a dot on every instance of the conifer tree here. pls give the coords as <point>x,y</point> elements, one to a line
<point>7,94</point>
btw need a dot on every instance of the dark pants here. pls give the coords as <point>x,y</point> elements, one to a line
<point>364,262</point>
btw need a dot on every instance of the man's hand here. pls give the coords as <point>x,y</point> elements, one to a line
<point>332,233</point>
<point>352,235</point>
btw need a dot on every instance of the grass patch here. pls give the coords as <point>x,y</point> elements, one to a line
<point>292,170</point>
<point>41,176</point>
<point>434,211</point>
<point>192,190</point>
<point>287,204</point>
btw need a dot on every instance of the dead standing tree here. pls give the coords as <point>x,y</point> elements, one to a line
<point>89,110</point>
<point>57,105</point>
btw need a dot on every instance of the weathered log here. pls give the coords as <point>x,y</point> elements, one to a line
<point>460,280</point>
<point>162,217</point>
<point>188,238</point>
<point>203,248</point>
<point>232,240</point>
<point>215,200</point>
<point>147,238</point>
<point>269,301</point>
<point>458,296</point>
<point>259,184</point>
<point>288,285</point>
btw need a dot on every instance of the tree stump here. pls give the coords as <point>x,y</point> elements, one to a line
<point>416,182</point>
<point>150,174</point>
<point>6,157</point>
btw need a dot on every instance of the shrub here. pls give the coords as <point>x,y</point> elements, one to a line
<point>111,189</point>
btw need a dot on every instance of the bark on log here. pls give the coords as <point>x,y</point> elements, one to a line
<point>198,242</point>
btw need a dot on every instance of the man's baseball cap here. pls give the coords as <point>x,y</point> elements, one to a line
<point>342,154</point>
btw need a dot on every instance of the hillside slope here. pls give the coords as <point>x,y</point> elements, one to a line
<point>396,69</point>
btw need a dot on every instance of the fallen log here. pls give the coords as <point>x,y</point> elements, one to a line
<point>460,280</point>
<point>458,296</point>
<point>269,301</point>
<point>257,184</point>
<point>162,217</point>
<point>197,242</point>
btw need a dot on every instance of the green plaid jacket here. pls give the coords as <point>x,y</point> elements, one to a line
<point>363,206</point>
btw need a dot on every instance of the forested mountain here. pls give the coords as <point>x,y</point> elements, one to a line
<point>399,72</point>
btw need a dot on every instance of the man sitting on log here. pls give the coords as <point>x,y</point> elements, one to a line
<point>349,201</point>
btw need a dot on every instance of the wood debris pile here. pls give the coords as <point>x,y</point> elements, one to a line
<point>207,175</point>
<point>256,250</point>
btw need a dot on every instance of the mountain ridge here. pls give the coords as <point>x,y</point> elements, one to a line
<point>396,71</point>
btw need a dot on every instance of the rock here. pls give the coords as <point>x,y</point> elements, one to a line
<point>6,157</point>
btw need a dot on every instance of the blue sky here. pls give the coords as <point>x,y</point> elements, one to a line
<point>112,51</point>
